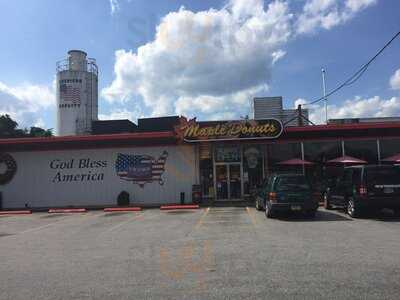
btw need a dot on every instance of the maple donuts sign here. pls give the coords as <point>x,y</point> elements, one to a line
<point>193,131</point>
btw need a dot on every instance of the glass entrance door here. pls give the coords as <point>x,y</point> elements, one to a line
<point>221,181</point>
<point>228,181</point>
<point>235,183</point>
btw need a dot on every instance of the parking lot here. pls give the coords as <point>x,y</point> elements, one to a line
<point>209,253</point>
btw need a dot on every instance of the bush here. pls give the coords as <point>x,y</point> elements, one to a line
<point>123,199</point>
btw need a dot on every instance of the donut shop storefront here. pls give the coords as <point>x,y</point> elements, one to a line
<point>224,159</point>
<point>236,156</point>
<point>230,155</point>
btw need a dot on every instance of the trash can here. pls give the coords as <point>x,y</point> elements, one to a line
<point>196,194</point>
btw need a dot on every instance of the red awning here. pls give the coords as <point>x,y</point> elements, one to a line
<point>295,162</point>
<point>347,160</point>
<point>394,158</point>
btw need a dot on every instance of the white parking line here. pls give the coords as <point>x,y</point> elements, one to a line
<point>135,217</point>
<point>43,226</point>
<point>85,217</point>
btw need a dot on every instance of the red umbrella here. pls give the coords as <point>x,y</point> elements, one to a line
<point>395,158</point>
<point>347,160</point>
<point>295,162</point>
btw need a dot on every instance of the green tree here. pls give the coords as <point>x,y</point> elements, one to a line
<point>40,132</point>
<point>8,126</point>
<point>9,129</point>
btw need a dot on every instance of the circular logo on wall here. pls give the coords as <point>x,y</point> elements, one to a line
<point>8,168</point>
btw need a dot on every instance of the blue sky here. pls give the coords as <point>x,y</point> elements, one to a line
<point>201,58</point>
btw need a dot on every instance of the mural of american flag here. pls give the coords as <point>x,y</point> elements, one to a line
<point>141,169</point>
<point>70,93</point>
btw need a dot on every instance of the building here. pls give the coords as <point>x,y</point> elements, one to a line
<point>226,158</point>
<point>113,126</point>
<point>272,107</point>
<point>77,89</point>
<point>161,160</point>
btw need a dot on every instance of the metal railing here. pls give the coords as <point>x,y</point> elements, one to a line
<point>63,65</point>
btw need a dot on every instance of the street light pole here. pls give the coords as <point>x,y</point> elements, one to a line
<point>325,98</point>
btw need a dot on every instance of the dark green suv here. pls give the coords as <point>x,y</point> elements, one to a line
<point>366,187</point>
<point>286,192</point>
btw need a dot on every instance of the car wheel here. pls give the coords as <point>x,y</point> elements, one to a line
<point>352,210</point>
<point>268,212</point>
<point>327,203</point>
<point>258,207</point>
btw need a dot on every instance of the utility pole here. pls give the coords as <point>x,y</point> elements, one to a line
<point>299,116</point>
<point>325,98</point>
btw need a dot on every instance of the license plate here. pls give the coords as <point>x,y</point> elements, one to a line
<point>295,207</point>
<point>388,190</point>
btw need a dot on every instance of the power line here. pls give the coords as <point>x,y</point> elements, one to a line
<point>357,74</point>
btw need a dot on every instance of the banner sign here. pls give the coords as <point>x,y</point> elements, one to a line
<point>193,131</point>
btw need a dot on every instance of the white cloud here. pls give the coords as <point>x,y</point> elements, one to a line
<point>356,5</point>
<point>277,55</point>
<point>354,108</point>
<point>395,80</point>
<point>214,107</point>
<point>327,14</point>
<point>216,56</point>
<point>114,6</point>
<point>39,123</point>
<point>213,54</point>
<point>299,101</point>
<point>25,103</point>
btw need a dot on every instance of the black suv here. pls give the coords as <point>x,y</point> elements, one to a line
<point>365,187</point>
<point>286,192</point>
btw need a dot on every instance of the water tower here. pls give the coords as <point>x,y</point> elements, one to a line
<point>77,86</point>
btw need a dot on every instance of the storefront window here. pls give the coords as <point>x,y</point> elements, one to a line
<point>320,152</point>
<point>252,168</point>
<point>321,173</point>
<point>389,147</point>
<point>227,154</point>
<point>281,152</point>
<point>365,149</point>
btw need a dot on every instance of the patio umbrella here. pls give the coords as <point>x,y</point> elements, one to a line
<point>394,158</point>
<point>295,162</point>
<point>347,160</point>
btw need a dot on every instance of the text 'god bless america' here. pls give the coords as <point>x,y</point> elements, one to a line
<point>89,170</point>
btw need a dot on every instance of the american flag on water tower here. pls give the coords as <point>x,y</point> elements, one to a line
<point>70,93</point>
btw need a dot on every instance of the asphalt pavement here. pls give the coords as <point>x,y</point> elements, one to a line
<point>209,253</point>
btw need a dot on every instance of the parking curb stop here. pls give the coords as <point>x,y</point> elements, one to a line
<point>67,210</point>
<point>121,209</point>
<point>15,212</point>
<point>184,206</point>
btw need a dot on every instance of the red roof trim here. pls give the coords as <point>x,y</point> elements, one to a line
<point>89,138</point>
<point>342,127</point>
<point>151,137</point>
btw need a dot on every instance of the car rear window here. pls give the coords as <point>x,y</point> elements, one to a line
<point>383,176</point>
<point>292,183</point>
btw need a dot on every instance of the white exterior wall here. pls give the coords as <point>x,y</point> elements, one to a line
<point>36,182</point>
<point>77,119</point>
